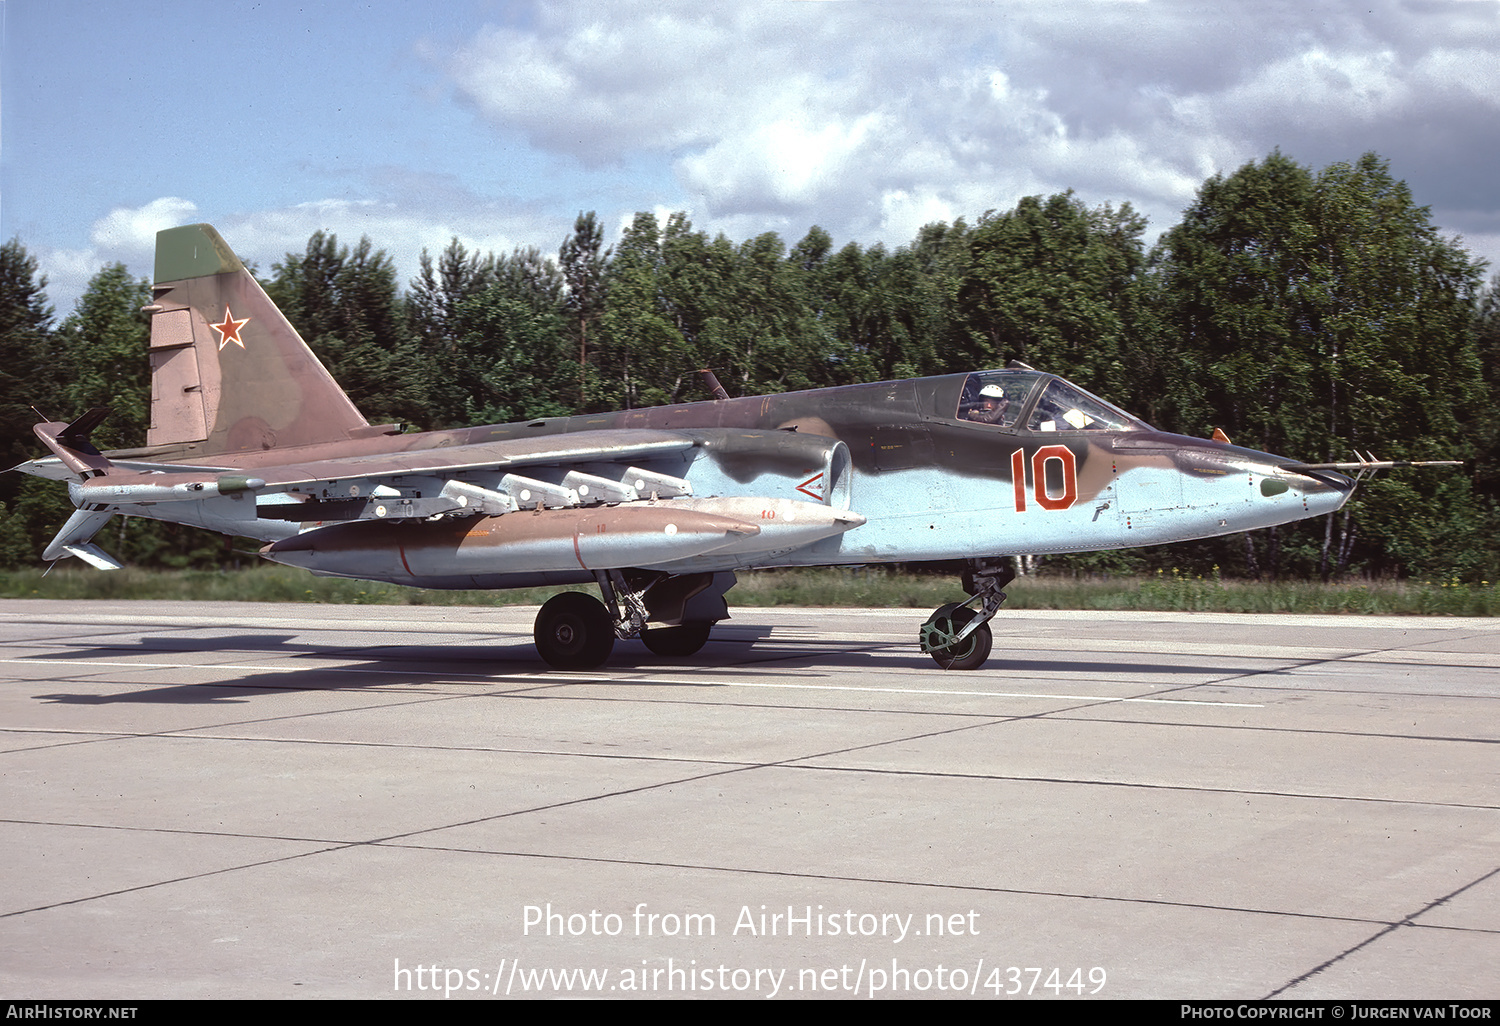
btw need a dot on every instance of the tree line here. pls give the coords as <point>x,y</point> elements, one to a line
<point>1303,312</point>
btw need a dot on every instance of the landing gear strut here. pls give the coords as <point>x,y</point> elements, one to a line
<point>957,635</point>
<point>575,631</point>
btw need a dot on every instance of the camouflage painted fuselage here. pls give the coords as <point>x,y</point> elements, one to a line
<point>250,436</point>
<point>932,484</point>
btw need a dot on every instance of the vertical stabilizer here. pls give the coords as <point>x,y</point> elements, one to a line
<point>229,373</point>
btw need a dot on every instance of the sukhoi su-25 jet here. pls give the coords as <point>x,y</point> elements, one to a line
<point>660,508</point>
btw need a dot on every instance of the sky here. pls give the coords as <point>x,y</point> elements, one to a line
<point>498,122</point>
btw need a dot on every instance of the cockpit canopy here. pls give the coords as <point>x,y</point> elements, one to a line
<point>1032,401</point>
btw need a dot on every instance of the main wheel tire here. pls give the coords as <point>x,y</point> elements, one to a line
<point>574,632</point>
<point>970,653</point>
<point>676,642</point>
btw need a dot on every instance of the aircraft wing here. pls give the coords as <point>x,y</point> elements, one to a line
<point>560,470</point>
<point>612,446</point>
<point>608,445</point>
<point>497,476</point>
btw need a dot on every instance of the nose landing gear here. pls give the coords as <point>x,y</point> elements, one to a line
<point>958,635</point>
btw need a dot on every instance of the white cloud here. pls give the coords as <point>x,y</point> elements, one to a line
<point>1325,89</point>
<point>263,238</point>
<point>126,235</point>
<point>133,229</point>
<point>862,118</point>
<point>872,119</point>
<point>865,117</point>
<point>791,162</point>
<point>402,229</point>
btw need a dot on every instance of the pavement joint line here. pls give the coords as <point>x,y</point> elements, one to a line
<point>1389,928</point>
<point>1248,678</point>
<point>201,733</point>
<point>1293,690</point>
<point>110,664</point>
<point>1091,699</point>
<point>346,743</point>
<point>175,880</point>
<point>540,686</point>
<point>336,847</point>
<point>1143,785</point>
<point>308,714</point>
<point>412,833</point>
<point>744,768</point>
<point>983,888</point>
<point>1349,744</point>
<point>1301,730</point>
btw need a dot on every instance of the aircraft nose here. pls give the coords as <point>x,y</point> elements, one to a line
<point>1322,491</point>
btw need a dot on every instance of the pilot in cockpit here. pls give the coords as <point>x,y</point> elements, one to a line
<point>991,406</point>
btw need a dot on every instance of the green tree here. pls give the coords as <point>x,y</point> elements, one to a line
<point>1485,431</point>
<point>440,289</point>
<point>886,310</point>
<point>517,355</point>
<point>584,261</point>
<point>1319,313</point>
<point>104,345</point>
<point>509,361</point>
<point>344,304</point>
<point>30,372</point>
<point>754,320</point>
<point>642,353</point>
<point>1051,283</point>
<point>469,314</point>
<point>434,305</point>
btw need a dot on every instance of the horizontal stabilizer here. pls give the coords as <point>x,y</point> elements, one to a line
<point>70,443</point>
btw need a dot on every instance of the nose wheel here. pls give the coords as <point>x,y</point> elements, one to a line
<point>950,645</point>
<point>958,635</point>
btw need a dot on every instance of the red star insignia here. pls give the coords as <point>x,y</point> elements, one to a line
<point>229,331</point>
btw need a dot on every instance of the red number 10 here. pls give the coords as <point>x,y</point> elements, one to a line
<point>1039,459</point>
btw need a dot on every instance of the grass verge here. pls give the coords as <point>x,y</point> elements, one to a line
<point>875,587</point>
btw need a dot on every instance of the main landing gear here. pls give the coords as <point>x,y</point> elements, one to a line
<point>676,642</point>
<point>957,635</point>
<point>575,631</point>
